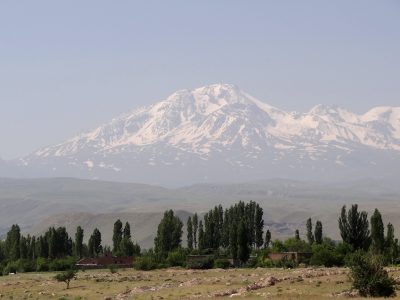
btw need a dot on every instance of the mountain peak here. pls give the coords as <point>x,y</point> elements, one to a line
<point>221,127</point>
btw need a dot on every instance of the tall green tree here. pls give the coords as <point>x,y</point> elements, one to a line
<point>195,223</point>
<point>233,241</point>
<point>318,233</point>
<point>189,233</point>
<point>391,244</point>
<point>354,227</point>
<point>201,244</point>
<point>267,239</point>
<point>310,235</point>
<point>12,242</point>
<point>169,234</point>
<point>258,226</point>
<point>79,242</point>
<point>297,235</point>
<point>95,247</point>
<point>243,243</point>
<point>377,233</point>
<point>117,236</point>
<point>127,247</point>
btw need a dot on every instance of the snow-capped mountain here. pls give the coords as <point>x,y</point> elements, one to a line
<point>219,132</point>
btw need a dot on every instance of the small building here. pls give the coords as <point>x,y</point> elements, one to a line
<point>105,261</point>
<point>298,257</point>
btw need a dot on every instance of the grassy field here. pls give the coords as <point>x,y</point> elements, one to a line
<point>307,283</point>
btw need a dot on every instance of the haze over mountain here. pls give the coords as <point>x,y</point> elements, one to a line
<point>37,204</point>
<point>220,133</point>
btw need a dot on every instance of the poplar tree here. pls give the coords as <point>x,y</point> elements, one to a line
<point>297,235</point>
<point>126,247</point>
<point>259,226</point>
<point>377,232</point>
<point>169,234</point>
<point>354,227</point>
<point>318,232</point>
<point>95,247</point>
<point>117,236</point>
<point>243,243</point>
<point>310,236</point>
<point>79,242</point>
<point>201,236</point>
<point>189,233</point>
<point>267,239</point>
<point>12,243</point>
<point>195,223</point>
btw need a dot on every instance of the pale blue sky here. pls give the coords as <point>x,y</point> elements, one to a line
<point>66,66</point>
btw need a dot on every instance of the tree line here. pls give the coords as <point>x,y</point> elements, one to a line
<point>236,232</point>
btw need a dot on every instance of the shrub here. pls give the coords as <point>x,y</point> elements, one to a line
<point>42,265</point>
<point>113,269</point>
<point>177,258</point>
<point>11,267</point>
<point>66,277</point>
<point>62,264</point>
<point>200,263</point>
<point>369,277</point>
<point>145,263</point>
<point>222,263</point>
<point>325,256</point>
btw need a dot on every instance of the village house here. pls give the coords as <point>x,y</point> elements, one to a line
<point>297,257</point>
<point>105,261</point>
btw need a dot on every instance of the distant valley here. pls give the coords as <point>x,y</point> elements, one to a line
<point>37,204</point>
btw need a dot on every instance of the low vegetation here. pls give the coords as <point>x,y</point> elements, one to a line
<point>222,239</point>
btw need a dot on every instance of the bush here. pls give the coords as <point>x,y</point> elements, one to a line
<point>177,258</point>
<point>11,267</point>
<point>66,277</point>
<point>145,263</point>
<point>200,263</point>
<point>113,269</point>
<point>42,265</point>
<point>62,264</point>
<point>369,277</point>
<point>325,256</point>
<point>222,263</point>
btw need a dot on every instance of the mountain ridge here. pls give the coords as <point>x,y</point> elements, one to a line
<point>224,130</point>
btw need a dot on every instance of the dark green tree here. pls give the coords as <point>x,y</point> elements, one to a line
<point>169,234</point>
<point>190,233</point>
<point>23,247</point>
<point>201,245</point>
<point>243,243</point>
<point>12,247</point>
<point>94,246</point>
<point>318,232</point>
<point>127,247</point>
<point>66,277</point>
<point>259,226</point>
<point>354,227</point>
<point>310,235</point>
<point>233,240</point>
<point>297,235</point>
<point>391,244</point>
<point>377,233</point>
<point>117,236</point>
<point>79,242</point>
<point>267,239</point>
<point>195,223</point>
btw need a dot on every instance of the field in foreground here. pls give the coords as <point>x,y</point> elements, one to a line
<point>307,283</point>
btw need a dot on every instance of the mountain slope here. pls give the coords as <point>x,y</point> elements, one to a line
<point>219,132</point>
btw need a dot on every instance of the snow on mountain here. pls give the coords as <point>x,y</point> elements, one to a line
<point>223,128</point>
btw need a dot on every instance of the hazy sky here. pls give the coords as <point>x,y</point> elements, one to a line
<point>66,66</point>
